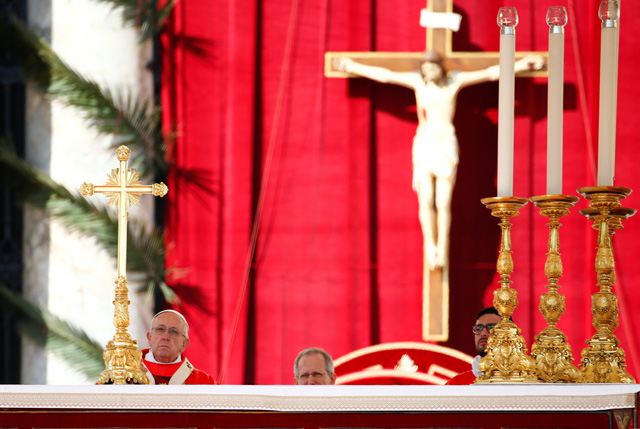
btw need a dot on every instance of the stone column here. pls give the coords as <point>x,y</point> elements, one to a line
<point>72,275</point>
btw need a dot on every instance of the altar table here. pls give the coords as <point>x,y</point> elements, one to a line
<point>318,407</point>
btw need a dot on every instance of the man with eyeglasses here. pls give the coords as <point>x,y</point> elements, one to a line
<point>313,366</point>
<point>485,321</point>
<point>163,361</point>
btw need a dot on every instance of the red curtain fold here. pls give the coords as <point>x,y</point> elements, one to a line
<point>291,219</point>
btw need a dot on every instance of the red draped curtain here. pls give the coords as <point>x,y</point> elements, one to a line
<point>291,221</point>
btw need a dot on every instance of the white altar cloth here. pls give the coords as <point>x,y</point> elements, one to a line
<point>495,397</point>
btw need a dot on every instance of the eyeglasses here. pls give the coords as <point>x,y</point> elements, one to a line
<point>173,332</point>
<point>316,375</point>
<point>477,329</point>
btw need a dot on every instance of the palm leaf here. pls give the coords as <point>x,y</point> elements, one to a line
<point>136,123</point>
<point>148,15</point>
<point>67,341</point>
<point>145,248</point>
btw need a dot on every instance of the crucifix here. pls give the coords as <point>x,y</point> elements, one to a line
<point>122,357</point>
<point>435,145</point>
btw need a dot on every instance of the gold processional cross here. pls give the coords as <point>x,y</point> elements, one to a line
<point>122,357</point>
<point>437,18</point>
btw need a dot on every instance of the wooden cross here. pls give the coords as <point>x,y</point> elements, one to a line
<point>438,40</point>
<point>122,357</point>
<point>435,305</point>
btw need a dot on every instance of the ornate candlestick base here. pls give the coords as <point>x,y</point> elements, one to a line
<point>506,360</point>
<point>122,357</point>
<point>602,360</point>
<point>550,351</point>
<point>122,360</point>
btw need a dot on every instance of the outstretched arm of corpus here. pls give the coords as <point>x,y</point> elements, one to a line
<point>379,74</point>
<point>528,63</point>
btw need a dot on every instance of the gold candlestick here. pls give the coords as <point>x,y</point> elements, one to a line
<point>550,351</point>
<point>506,360</point>
<point>122,357</point>
<point>602,360</point>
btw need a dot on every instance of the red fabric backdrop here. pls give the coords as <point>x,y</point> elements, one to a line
<point>291,220</point>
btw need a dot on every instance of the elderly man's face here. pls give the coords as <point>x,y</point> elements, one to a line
<point>166,337</point>
<point>312,370</point>
<point>482,336</point>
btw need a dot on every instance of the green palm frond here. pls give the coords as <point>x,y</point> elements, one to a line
<point>133,122</point>
<point>136,123</point>
<point>69,342</point>
<point>145,248</point>
<point>148,15</point>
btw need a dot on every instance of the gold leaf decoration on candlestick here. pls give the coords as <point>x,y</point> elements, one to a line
<point>603,361</point>
<point>122,357</point>
<point>550,351</point>
<point>506,360</point>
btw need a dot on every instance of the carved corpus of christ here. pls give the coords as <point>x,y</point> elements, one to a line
<point>435,187</point>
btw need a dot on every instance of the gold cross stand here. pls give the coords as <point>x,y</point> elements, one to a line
<point>435,316</point>
<point>122,357</point>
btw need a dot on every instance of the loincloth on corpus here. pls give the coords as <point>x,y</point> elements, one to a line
<point>434,158</point>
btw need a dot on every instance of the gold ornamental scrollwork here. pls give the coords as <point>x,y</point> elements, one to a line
<point>603,361</point>
<point>506,360</point>
<point>160,189</point>
<point>121,303</point>
<point>123,153</point>
<point>132,181</point>
<point>122,363</point>
<point>122,357</point>
<point>551,352</point>
<point>86,189</point>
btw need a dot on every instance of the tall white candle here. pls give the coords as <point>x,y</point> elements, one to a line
<point>608,76</point>
<point>557,19</point>
<point>507,20</point>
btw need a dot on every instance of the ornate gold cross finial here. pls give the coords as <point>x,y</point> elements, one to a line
<point>122,357</point>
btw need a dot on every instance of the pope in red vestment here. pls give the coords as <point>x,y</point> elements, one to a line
<point>164,360</point>
<point>162,373</point>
